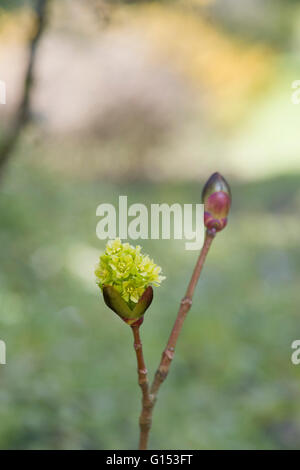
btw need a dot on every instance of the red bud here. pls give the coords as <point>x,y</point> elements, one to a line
<point>216,196</point>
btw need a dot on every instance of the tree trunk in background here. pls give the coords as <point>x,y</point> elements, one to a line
<point>23,113</point>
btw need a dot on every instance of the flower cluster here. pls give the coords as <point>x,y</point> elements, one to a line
<point>127,269</point>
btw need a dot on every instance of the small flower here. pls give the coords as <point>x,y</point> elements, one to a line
<point>216,196</point>
<point>131,292</point>
<point>126,277</point>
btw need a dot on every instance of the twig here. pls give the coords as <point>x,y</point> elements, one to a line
<point>23,114</point>
<point>168,353</point>
<point>145,419</point>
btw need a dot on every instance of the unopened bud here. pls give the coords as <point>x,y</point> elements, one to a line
<point>115,302</point>
<point>216,196</point>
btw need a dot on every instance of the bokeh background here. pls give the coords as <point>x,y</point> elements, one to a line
<point>147,99</point>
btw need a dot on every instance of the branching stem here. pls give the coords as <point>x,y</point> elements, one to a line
<point>149,398</point>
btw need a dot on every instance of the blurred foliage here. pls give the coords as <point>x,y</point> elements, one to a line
<point>16,26</point>
<point>70,378</point>
<point>256,20</point>
<point>12,4</point>
<point>228,73</point>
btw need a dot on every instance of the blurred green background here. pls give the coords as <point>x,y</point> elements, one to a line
<point>147,99</point>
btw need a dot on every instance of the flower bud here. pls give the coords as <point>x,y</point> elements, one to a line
<point>216,196</point>
<point>115,302</point>
<point>125,276</point>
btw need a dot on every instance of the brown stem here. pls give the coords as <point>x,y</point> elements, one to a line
<point>23,113</point>
<point>145,418</point>
<point>168,353</point>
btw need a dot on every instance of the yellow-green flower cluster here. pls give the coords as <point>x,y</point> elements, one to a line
<point>127,269</point>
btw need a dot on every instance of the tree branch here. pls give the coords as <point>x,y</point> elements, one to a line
<point>23,114</point>
<point>145,419</point>
<point>168,353</point>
